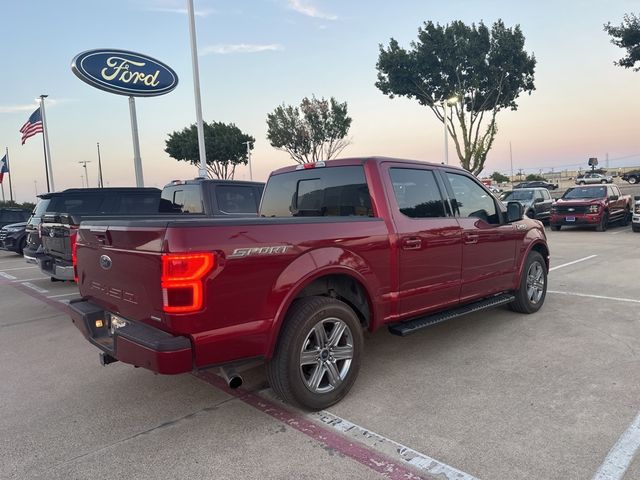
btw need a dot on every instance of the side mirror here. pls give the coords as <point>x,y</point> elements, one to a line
<point>515,212</point>
<point>613,197</point>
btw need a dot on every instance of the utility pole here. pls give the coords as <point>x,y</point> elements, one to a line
<point>86,175</point>
<point>511,158</point>
<point>248,144</point>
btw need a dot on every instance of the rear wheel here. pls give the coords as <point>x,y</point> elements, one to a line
<point>533,285</point>
<point>582,183</point>
<point>318,355</point>
<point>633,180</point>
<point>604,223</point>
<point>603,182</point>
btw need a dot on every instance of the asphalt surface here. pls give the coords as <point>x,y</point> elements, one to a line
<point>495,395</point>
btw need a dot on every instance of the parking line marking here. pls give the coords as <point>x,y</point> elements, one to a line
<point>621,454</point>
<point>7,276</point>
<point>362,454</point>
<point>20,268</point>
<point>600,297</point>
<point>34,287</point>
<point>20,280</point>
<point>63,295</point>
<point>572,263</point>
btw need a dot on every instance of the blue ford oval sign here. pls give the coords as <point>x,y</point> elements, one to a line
<point>124,72</point>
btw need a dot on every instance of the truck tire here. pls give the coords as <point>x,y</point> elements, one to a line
<point>533,285</point>
<point>318,354</point>
<point>21,246</point>
<point>604,223</point>
<point>632,180</point>
<point>626,219</point>
<point>635,228</point>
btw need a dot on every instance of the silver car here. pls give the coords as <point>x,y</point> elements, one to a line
<point>593,178</point>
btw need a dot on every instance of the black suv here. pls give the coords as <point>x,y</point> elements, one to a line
<point>12,231</point>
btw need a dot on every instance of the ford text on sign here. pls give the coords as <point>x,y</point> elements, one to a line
<point>124,72</point>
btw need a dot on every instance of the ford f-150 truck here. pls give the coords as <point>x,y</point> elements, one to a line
<point>590,205</point>
<point>340,247</point>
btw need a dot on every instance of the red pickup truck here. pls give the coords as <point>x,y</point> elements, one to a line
<point>341,247</point>
<point>591,205</point>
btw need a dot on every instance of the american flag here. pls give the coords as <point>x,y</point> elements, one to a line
<point>33,126</point>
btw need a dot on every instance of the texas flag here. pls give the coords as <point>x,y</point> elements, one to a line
<point>4,167</point>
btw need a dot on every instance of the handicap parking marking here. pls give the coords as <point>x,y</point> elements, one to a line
<point>621,454</point>
<point>572,263</point>
<point>599,297</point>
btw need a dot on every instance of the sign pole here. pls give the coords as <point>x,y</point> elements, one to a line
<point>202,171</point>
<point>46,145</point>
<point>100,181</point>
<point>137,161</point>
<point>9,169</point>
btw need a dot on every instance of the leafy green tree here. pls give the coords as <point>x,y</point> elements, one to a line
<point>316,130</point>
<point>484,69</point>
<point>533,177</point>
<point>499,178</point>
<point>627,36</point>
<point>225,145</point>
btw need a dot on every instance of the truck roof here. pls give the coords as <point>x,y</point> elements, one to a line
<point>97,190</point>
<point>362,160</point>
<point>215,181</point>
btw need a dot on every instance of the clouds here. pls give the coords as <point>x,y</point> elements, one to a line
<point>226,49</point>
<point>29,107</point>
<point>305,7</point>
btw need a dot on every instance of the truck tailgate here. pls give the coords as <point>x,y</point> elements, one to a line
<point>120,268</point>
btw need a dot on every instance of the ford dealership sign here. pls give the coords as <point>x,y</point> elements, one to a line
<point>124,72</point>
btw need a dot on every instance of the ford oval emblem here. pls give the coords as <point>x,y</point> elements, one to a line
<point>105,262</point>
<point>124,73</point>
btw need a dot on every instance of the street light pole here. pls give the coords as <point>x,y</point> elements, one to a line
<point>100,181</point>
<point>86,175</point>
<point>248,144</point>
<point>448,102</point>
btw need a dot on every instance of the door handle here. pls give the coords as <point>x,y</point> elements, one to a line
<point>471,238</point>
<point>411,243</point>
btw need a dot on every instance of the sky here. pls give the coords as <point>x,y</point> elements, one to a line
<point>257,54</point>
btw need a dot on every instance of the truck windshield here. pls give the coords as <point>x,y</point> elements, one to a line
<point>518,195</point>
<point>590,192</point>
<point>317,192</point>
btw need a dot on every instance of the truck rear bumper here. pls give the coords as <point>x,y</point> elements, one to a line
<point>55,268</point>
<point>132,342</point>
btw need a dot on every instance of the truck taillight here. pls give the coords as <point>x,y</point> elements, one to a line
<point>73,239</point>
<point>182,281</point>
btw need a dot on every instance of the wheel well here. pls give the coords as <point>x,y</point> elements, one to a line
<point>542,250</point>
<point>344,288</point>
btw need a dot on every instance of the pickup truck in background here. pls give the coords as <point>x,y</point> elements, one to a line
<point>340,247</point>
<point>632,177</point>
<point>200,197</point>
<point>591,205</point>
<point>59,225</point>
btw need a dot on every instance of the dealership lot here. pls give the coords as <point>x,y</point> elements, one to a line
<point>494,395</point>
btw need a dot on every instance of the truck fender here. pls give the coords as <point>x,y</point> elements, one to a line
<point>532,241</point>
<point>307,268</point>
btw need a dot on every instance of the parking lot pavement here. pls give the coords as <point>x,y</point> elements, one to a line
<point>495,395</point>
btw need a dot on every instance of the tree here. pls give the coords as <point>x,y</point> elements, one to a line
<point>225,145</point>
<point>315,131</point>
<point>627,36</point>
<point>486,70</point>
<point>534,177</point>
<point>499,178</point>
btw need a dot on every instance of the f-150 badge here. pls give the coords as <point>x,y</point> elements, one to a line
<point>247,251</point>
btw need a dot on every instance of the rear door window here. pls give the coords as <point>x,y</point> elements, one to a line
<point>237,198</point>
<point>318,192</point>
<point>182,199</point>
<point>136,204</point>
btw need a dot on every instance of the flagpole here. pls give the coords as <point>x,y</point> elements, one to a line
<point>9,173</point>
<point>46,143</point>
<point>46,168</point>
<point>2,187</point>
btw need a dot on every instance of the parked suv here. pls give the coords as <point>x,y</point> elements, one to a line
<point>593,178</point>
<point>13,237</point>
<point>535,201</point>
<point>12,215</point>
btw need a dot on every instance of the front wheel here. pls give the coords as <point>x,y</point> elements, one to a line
<point>533,285</point>
<point>318,355</point>
<point>604,223</point>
